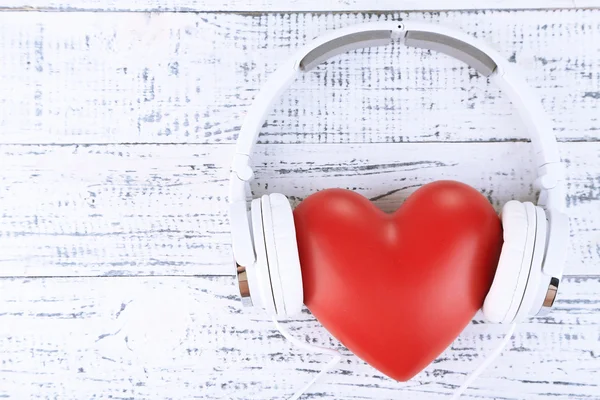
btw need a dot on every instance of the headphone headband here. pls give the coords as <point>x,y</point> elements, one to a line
<point>466,48</point>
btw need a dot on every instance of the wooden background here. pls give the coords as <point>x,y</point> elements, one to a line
<point>116,132</point>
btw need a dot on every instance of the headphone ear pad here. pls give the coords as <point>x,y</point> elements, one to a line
<point>282,254</point>
<point>510,281</point>
<point>258,276</point>
<point>537,284</point>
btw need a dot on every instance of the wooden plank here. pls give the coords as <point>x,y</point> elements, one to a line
<point>275,5</point>
<point>183,337</point>
<point>161,210</point>
<point>190,78</point>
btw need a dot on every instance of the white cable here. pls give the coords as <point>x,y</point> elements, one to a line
<point>337,357</point>
<point>486,363</point>
<point>315,349</point>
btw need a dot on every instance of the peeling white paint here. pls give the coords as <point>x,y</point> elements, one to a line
<point>115,140</point>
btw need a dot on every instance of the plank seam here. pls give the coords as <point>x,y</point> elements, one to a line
<point>255,13</point>
<point>86,144</point>
<point>576,276</point>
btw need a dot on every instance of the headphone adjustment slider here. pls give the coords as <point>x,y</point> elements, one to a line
<point>241,167</point>
<point>550,175</point>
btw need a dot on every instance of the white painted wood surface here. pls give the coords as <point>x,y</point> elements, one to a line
<point>183,338</point>
<point>74,210</point>
<point>150,78</point>
<point>115,139</point>
<point>278,5</point>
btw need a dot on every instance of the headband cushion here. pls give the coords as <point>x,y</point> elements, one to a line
<point>502,301</point>
<point>282,254</point>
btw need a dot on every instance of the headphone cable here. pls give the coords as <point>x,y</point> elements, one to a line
<point>315,349</point>
<point>486,363</point>
<point>337,357</point>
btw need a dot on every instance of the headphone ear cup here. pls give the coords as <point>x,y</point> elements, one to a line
<point>502,302</point>
<point>260,270</point>
<point>282,254</point>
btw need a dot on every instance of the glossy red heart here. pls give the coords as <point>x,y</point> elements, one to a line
<point>397,289</point>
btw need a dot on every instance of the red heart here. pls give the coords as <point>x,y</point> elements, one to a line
<point>397,289</point>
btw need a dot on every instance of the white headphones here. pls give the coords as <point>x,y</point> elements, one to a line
<point>535,236</point>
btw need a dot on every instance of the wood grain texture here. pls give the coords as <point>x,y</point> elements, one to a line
<point>183,338</point>
<point>275,5</point>
<point>116,132</point>
<point>161,210</point>
<point>190,78</point>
